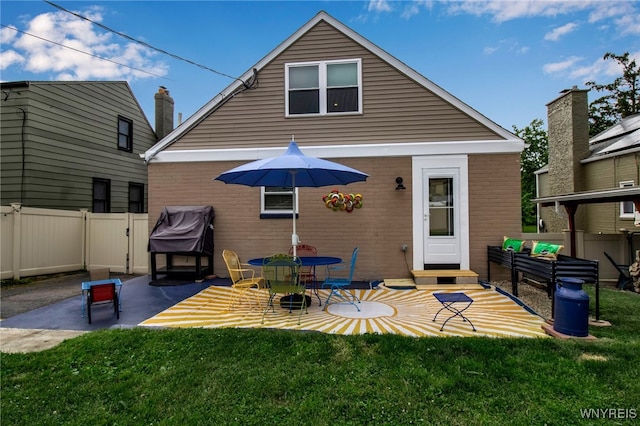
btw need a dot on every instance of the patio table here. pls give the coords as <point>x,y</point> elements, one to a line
<point>448,301</point>
<point>311,261</point>
<point>86,285</point>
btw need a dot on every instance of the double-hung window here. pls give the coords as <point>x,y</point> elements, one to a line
<point>277,201</point>
<point>101,198</point>
<point>323,88</point>
<point>136,197</point>
<point>627,208</point>
<point>125,134</point>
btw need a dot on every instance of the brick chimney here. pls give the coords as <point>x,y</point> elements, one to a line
<point>164,112</point>
<point>568,131</point>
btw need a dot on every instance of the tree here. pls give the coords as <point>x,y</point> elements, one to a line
<point>533,157</point>
<point>622,96</point>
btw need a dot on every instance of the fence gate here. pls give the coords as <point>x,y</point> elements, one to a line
<point>107,241</point>
<point>117,241</point>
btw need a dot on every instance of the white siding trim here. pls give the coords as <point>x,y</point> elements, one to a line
<point>345,151</point>
<point>418,164</point>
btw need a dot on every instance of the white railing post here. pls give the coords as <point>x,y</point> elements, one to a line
<point>17,240</point>
<point>85,245</point>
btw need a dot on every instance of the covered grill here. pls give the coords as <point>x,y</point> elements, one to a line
<point>185,231</point>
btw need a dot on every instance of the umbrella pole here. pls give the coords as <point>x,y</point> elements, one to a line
<point>294,236</point>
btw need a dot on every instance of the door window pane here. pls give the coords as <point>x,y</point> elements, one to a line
<point>441,207</point>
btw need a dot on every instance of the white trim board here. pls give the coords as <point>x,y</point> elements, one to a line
<point>344,151</point>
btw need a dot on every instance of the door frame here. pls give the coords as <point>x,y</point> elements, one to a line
<point>432,162</point>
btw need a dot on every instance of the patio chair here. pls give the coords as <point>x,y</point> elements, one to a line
<point>281,273</point>
<point>338,284</point>
<point>307,273</point>
<point>102,293</point>
<point>624,278</point>
<point>243,277</point>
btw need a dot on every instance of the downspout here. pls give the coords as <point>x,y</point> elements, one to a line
<point>22,143</point>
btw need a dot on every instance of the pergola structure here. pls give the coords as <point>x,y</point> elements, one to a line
<point>571,201</point>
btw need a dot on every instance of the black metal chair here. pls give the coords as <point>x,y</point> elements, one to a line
<point>624,278</point>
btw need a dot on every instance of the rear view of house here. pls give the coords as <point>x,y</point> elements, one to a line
<point>444,181</point>
<point>74,145</point>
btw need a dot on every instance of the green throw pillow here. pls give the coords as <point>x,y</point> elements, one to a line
<point>512,244</point>
<point>548,250</point>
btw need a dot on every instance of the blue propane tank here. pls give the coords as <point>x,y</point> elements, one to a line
<point>571,312</point>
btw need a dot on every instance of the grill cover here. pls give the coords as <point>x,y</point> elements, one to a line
<point>183,229</point>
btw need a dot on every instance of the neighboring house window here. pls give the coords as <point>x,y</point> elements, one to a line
<point>325,87</point>
<point>626,207</point>
<point>136,197</point>
<point>277,201</point>
<point>101,195</point>
<point>125,134</point>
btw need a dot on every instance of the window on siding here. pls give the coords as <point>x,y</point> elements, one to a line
<point>101,196</point>
<point>125,134</point>
<point>136,197</point>
<point>321,88</point>
<point>626,207</point>
<point>277,201</point>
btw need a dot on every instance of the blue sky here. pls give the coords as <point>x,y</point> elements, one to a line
<point>506,59</point>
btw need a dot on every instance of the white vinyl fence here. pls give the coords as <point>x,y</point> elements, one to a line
<point>44,241</point>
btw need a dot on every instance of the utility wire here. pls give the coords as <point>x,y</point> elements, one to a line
<point>140,42</point>
<point>81,51</point>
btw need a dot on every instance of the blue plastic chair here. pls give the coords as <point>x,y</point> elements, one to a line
<point>337,284</point>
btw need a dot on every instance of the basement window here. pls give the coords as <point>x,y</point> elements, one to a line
<point>277,202</point>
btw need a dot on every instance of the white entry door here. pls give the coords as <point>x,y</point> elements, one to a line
<point>441,216</point>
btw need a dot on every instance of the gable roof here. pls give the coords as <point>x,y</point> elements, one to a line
<point>232,89</point>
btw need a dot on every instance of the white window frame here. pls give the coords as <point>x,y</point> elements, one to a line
<point>263,208</point>
<point>322,77</point>
<point>626,214</point>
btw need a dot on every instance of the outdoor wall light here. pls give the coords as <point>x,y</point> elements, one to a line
<point>399,185</point>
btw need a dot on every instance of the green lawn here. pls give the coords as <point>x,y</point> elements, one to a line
<point>272,377</point>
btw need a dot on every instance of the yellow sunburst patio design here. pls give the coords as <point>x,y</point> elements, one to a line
<point>405,312</point>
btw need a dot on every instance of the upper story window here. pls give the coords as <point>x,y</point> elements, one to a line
<point>325,87</point>
<point>125,134</point>
<point>627,208</point>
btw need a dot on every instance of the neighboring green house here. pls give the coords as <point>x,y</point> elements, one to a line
<point>591,185</point>
<point>75,145</point>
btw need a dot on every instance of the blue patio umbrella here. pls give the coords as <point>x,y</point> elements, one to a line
<point>291,170</point>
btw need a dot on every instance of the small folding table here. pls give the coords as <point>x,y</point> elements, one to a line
<point>448,301</point>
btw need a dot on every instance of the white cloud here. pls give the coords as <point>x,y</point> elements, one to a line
<point>379,6</point>
<point>64,45</point>
<point>601,70</point>
<point>7,34</point>
<point>9,58</point>
<point>629,24</point>
<point>557,33</point>
<point>503,11</point>
<point>557,67</point>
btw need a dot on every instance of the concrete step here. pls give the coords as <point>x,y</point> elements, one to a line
<point>444,276</point>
